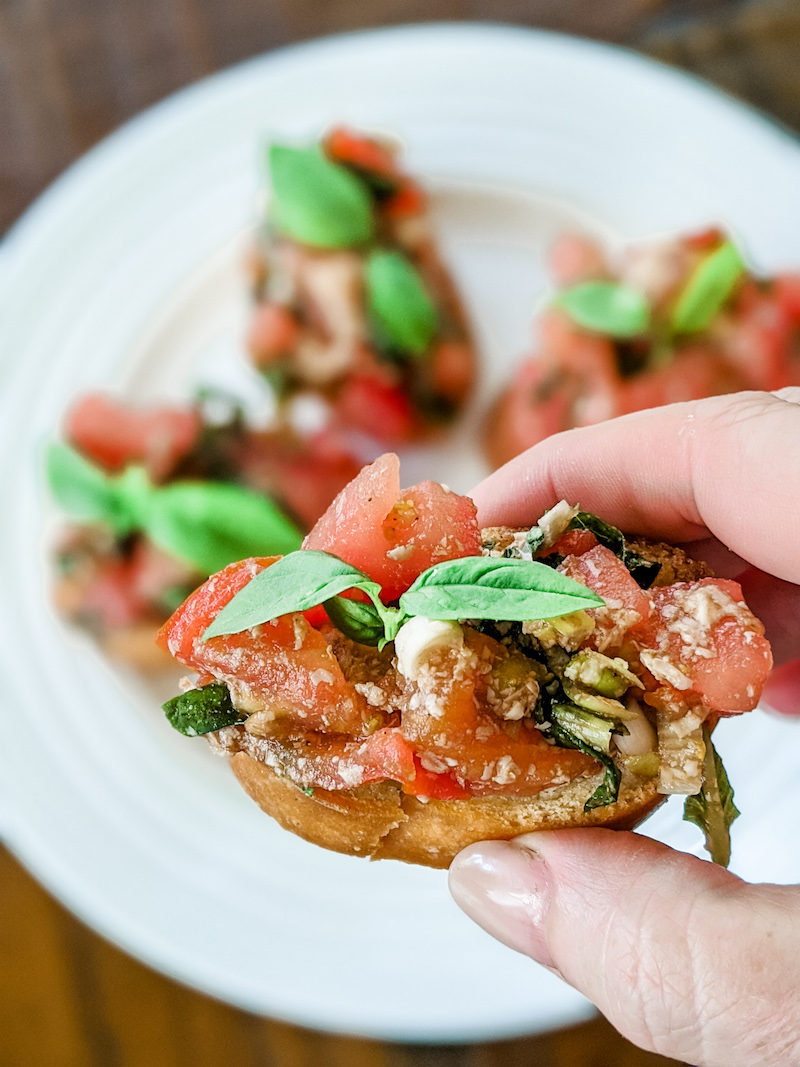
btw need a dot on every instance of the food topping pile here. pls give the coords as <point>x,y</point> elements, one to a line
<point>353,304</point>
<point>400,643</point>
<point>676,319</point>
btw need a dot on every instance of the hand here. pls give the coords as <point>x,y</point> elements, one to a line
<point>682,957</point>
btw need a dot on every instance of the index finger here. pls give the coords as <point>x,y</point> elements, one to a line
<point>727,466</point>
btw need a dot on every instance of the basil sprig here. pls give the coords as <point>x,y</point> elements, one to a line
<point>711,284</point>
<point>207,524</point>
<point>317,201</point>
<point>713,809</point>
<point>398,302</point>
<point>611,308</point>
<point>202,711</point>
<point>472,587</point>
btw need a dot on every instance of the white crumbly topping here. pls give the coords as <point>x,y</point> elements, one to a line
<point>555,521</point>
<point>320,676</point>
<point>507,771</point>
<point>665,671</point>
<point>351,776</point>
<point>400,553</point>
<point>694,615</point>
<point>419,639</point>
<point>434,764</point>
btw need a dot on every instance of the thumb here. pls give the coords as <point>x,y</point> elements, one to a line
<point>682,957</point>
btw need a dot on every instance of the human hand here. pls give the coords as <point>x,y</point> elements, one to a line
<point>682,957</point>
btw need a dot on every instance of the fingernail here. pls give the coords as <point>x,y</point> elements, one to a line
<point>505,888</point>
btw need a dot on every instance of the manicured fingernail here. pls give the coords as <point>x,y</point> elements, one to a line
<point>505,888</point>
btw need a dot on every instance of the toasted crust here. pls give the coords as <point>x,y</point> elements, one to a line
<point>380,821</point>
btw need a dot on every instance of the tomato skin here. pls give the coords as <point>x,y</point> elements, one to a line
<point>602,571</point>
<point>381,410</point>
<point>575,543</point>
<point>284,665</point>
<point>729,663</point>
<point>114,434</point>
<point>409,199</point>
<point>420,526</point>
<point>355,150</point>
<point>184,628</point>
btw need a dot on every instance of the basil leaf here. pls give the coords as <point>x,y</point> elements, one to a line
<point>359,621</point>
<point>712,282</point>
<point>713,809</point>
<point>211,524</point>
<point>399,302</point>
<point>202,711</point>
<point>299,581</point>
<point>563,718</point>
<point>502,589</point>
<point>317,201</point>
<point>606,307</point>
<point>85,491</point>
<point>605,533</point>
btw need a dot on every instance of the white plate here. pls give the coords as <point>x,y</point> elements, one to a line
<point>125,274</point>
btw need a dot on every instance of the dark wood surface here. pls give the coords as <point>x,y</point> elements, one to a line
<point>70,72</point>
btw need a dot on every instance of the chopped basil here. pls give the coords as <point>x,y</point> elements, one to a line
<point>563,718</point>
<point>642,570</point>
<point>202,711</point>
<point>713,809</point>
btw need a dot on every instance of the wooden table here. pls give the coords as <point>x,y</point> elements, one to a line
<point>70,72</point>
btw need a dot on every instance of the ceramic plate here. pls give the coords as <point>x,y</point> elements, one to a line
<point>126,274</point>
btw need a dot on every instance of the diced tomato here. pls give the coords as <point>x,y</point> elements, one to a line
<point>304,476</point>
<point>185,627</point>
<point>607,575</point>
<point>273,333</point>
<point>361,152</point>
<point>490,757</point>
<point>284,665</point>
<point>786,291</point>
<point>394,536</point>
<point>704,240</point>
<point>575,543</point>
<point>110,598</point>
<point>383,411</point>
<point>434,786</point>
<point>708,632</point>
<point>114,434</point>
<point>409,199</point>
<point>452,370</point>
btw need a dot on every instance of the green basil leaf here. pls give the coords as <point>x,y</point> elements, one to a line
<point>299,581</point>
<point>605,533</point>
<point>711,284</point>
<point>85,491</point>
<point>480,587</point>
<point>316,201</point>
<point>398,302</point>
<point>202,711</point>
<point>713,809</point>
<point>606,307</point>
<point>211,524</point>
<point>359,621</point>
